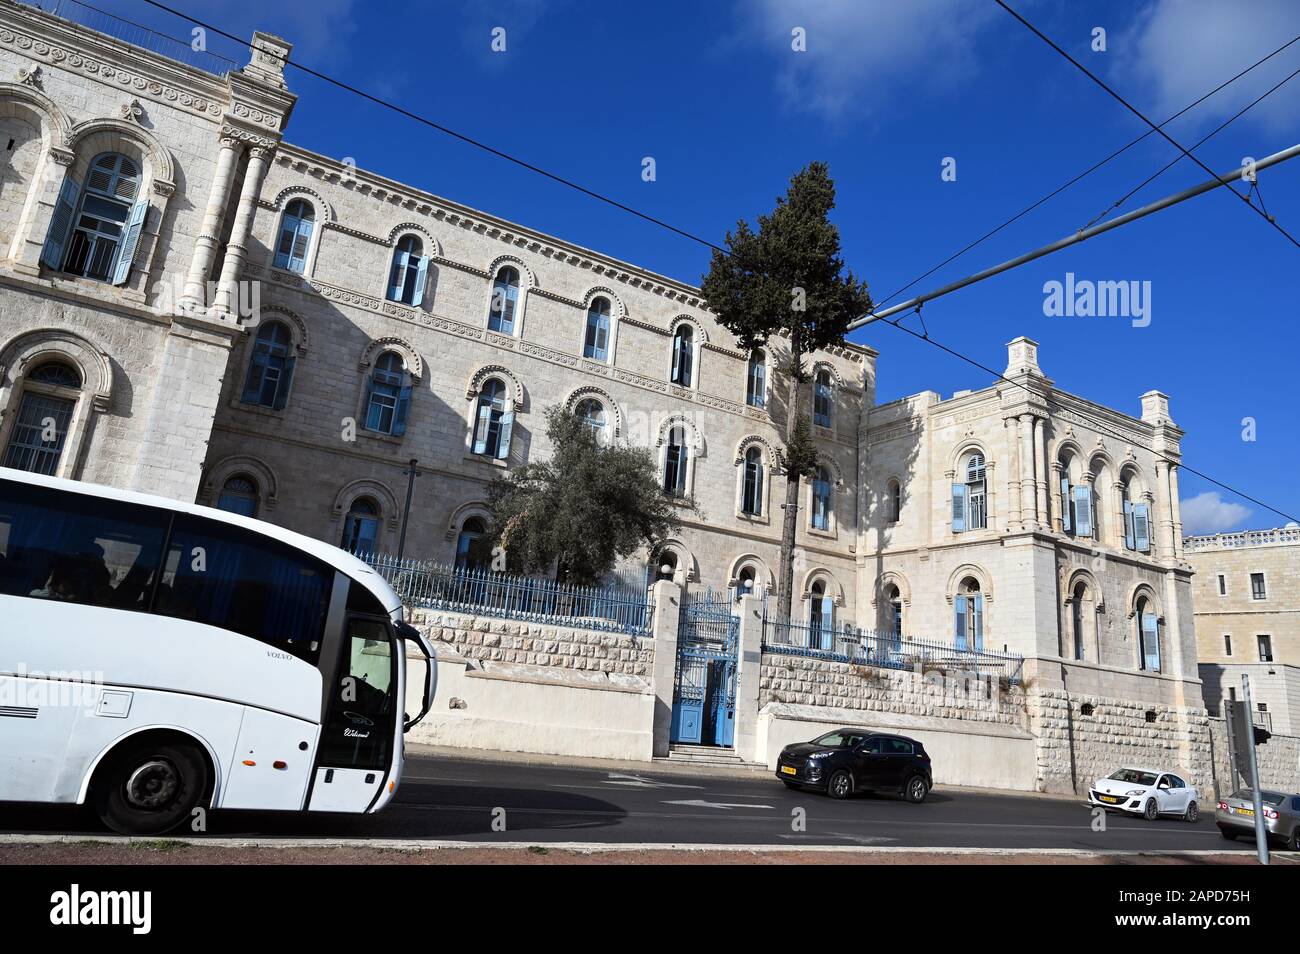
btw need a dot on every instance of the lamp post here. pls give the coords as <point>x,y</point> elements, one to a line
<point>411,474</point>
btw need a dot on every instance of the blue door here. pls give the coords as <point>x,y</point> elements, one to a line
<point>704,690</point>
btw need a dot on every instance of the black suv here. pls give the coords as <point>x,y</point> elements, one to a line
<point>852,760</point>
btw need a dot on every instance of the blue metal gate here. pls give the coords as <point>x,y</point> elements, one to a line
<point>704,689</point>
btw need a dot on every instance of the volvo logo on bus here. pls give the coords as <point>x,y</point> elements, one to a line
<point>357,718</point>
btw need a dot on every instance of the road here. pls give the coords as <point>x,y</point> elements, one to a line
<point>449,797</point>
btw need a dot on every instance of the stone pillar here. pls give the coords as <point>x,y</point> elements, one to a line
<point>1028,491</point>
<point>749,659</point>
<point>1176,511</point>
<point>668,609</point>
<point>1164,516</point>
<point>205,245</point>
<point>1011,426</point>
<point>237,249</point>
<point>1040,472</point>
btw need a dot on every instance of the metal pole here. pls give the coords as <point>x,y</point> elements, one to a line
<point>1261,833</point>
<point>411,474</point>
<point>1077,237</point>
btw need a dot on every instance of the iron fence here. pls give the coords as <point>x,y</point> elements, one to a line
<point>135,34</point>
<point>851,644</point>
<point>432,585</point>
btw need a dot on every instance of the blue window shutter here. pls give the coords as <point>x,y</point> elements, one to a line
<point>1130,540</point>
<point>421,279</point>
<point>130,242</point>
<point>1151,641</point>
<point>758,489</point>
<point>958,508</point>
<point>959,630</point>
<point>979,621</point>
<point>56,238</point>
<point>602,337</point>
<point>481,429</point>
<point>828,622</point>
<point>301,242</point>
<point>372,420</point>
<point>1066,523</point>
<point>253,383</point>
<point>1142,527</point>
<point>677,359</point>
<point>503,442</point>
<point>397,278</point>
<point>1083,510</point>
<point>403,408</point>
<point>286,378</point>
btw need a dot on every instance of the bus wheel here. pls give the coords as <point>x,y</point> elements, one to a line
<point>150,786</point>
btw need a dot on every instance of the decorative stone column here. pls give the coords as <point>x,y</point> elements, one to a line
<point>1164,511</point>
<point>1176,511</point>
<point>1011,426</point>
<point>205,245</point>
<point>1040,472</point>
<point>668,607</point>
<point>1028,490</point>
<point>237,249</point>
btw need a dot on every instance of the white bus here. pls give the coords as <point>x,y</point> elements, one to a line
<point>157,658</point>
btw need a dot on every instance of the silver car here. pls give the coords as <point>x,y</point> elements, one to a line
<point>1235,817</point>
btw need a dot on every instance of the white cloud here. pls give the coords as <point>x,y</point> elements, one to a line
<point>1209,513</point>
<point>1178,50</point>
<point>865,57</point>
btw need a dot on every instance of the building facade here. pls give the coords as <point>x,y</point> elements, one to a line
<point>205,311</point>
<point>1247,600</point>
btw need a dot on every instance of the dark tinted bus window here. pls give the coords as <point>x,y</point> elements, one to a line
<point>76,548</point>
<point>245,582</point>
<point>361,600</point>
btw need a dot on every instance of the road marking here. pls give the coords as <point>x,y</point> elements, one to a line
<point>638,781</point>
<point>701,803</point>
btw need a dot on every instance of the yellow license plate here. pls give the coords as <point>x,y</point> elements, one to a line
<point>1244,811</point>
<point>788,770</point>
<point>1108,798</point>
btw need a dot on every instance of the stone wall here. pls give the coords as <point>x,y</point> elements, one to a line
<point>1076,749</point>
<point>486,639</point>
<point>800,680</point>
<point>1278,759</point>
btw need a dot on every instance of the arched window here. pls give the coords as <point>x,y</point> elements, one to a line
<point>683,356</point>
<point>893,500</point>
<point>746,581</point>
<point>1077,618</point>
<point>665,565</point>
<point>1148,632</point>
<point>239,495</point>
<point>361,528</point>
<point>894,617</point>
<point>493,423</point>
<point>592,413</point>
<point>409,273</point>
<point>821,499</point>
<point>469,544</point>
<point>823,398</point>
<point>1137,517</point>
<point>968,630</point>
<point>751,499</point>
<point>295,236</point>
<point>389,400</point>
<point>270,368</point>
<point>821,617</point>
<point>969,497</point>
<point>596,343</point>
<point>50,393</point>
<point>99,224</point>
<point>505,300</point>
<point>675,463</point>
<point>756,380</point>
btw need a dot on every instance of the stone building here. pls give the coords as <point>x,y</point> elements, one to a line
<point>1247,614</point>
<point>208,312</point>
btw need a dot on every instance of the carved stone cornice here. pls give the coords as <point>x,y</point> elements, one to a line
<point>247,137</point>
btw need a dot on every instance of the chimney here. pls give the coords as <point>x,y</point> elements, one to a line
<point>1022,357</point>
<point>270,53</point>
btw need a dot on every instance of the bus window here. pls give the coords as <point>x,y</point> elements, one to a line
<point>358,732</point>
<point>245,582</point>
<point>78,549</point>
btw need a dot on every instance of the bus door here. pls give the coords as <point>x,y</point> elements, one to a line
<point>363,721</point>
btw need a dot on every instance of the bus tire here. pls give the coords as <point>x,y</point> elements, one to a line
<point>151,784</point>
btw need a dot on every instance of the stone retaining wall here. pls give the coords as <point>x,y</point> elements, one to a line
<point>490,639</point>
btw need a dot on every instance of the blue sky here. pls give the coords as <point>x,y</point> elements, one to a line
<point>885,90</point>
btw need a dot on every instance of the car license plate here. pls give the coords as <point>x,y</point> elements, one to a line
<point>1108,798</point>
<point>788,770</point>
<point>1244,811</point>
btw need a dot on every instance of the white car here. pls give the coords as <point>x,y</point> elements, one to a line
<point>1147,792</point>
